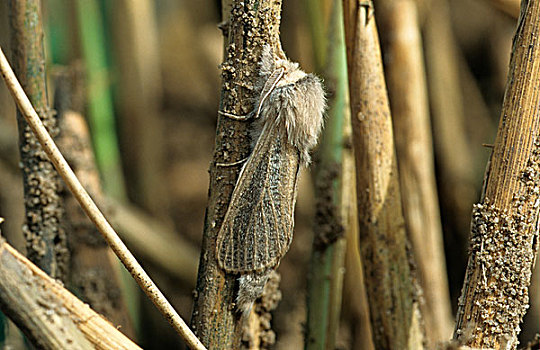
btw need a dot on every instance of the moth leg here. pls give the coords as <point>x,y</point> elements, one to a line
<point>241,161</point>
<point>236,117</point>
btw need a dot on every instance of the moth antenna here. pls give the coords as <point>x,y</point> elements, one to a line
<point>268,88</point>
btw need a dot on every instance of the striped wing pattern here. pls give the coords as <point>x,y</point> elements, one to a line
<point>258,225</point>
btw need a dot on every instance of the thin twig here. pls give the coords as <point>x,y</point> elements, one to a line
<point>131,223</point>
<point>91,209</point>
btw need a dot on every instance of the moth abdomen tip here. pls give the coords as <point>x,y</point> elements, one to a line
<point>250,288</point>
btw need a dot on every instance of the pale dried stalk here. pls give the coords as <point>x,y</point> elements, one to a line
<point>139,93</point>
<point>163,247</point>
<point>454,154</point>
<point>412,133</point>
<point>504,229</point>
<point>28,296</point>
<point>395,314</point>
<point>354,290</point>
<point>91,209</point>
<point>510,7</point>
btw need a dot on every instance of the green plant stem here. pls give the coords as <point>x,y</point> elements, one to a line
<point>328,254</point>
<point>59,32</point>
<point>100,115</point>
<point>100,106</point>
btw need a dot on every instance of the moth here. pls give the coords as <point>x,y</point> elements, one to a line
<point>258,226</point>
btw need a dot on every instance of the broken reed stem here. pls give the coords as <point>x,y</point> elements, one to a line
<point>28,296</point>
<point>395,315</point>
<point>412,133</point>
<point>504,229</point>
<point>91,209</point>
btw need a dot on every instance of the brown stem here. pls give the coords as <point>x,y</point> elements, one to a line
<point>249,25</point>
<point>455,156</point>
<point>412,131</point>
<point>504,229</point>
<point>395,314</point>
<point>45,239</point>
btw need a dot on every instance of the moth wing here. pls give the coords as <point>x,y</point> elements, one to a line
<point>257,228</point>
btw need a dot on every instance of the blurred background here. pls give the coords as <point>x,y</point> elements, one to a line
<point>145,75</point>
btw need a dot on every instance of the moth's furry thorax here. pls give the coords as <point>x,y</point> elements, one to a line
<point>298,99</point>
